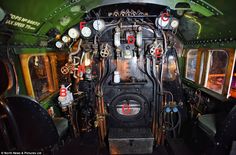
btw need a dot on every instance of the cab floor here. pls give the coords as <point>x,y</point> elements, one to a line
<point>87,144</point>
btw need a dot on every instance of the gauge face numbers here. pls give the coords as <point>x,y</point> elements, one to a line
<point>73,33</point>
<point>86,32</point>
<point>99,25</point>
<point>174,23</point>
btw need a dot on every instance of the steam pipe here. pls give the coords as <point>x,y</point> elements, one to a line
<point>74,53</point>
<point>154,100</point>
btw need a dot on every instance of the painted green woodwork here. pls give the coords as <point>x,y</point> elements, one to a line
<point>62,14</point>
<point>50,102</point>
<point>222,26</point>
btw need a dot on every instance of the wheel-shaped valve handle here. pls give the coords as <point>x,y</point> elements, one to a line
<point>65,70</point>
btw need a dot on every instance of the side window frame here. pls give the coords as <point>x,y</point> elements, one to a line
<point>229,69</point>
<point>232,75</point>
<point>208,68</point>
<point>229,72</point>
<point>186,65</point>
<point>51,61</point>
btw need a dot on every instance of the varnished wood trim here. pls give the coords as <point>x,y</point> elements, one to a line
<point>53,60</point>
<point>49,74</point>
<point>205,65</point>
<point>24,58</point>
<point>198,66</point>
<point>229,69</point>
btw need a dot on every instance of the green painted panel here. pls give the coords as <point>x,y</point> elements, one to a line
<point>31,19</point>
<point>50,101</point>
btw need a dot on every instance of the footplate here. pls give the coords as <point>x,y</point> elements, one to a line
<point>130,141</point>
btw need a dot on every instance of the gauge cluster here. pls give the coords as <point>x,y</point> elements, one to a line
<point>167,21</point>
<point>116,21</point>
<point>121,51</point>
<point>124,35</point>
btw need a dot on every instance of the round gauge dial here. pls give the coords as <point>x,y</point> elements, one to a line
<point>86,32</point>
<point>174,24</point>
<point>73,33</point>
<point>59,44</point>
<point>65,39</point>
<point>99,25</point>
<point>163,21</point>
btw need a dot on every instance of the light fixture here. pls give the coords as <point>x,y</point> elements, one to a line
<point>2,14</point>
<point>59,44</point>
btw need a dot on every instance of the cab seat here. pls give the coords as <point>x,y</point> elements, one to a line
<point>36,129</point>
<point>220,128</point>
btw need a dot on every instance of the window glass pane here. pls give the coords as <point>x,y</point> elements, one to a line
<point>233,84</point>
<point>39,77</point>
<point>62,59</point>
<point>170,70</point>
<point>218,61</point>
<point>191,65</point>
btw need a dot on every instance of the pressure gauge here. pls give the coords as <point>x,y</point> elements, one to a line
<point>65,39</point>
<point>59,44</point>
<point>163,21</point>
<point>86,32</point>
<point>99,25</point>
<point>174,23</point>
<point>73,33</point>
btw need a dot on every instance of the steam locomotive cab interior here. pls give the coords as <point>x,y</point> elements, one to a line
<point>127,77</point>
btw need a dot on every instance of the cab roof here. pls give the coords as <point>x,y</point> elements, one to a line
<point>27,22</point>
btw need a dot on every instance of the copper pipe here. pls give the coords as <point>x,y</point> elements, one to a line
<point>100,106</point>
<point>103,108</point>
<point>154,125</point>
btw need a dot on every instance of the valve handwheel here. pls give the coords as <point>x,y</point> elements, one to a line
<point>65,70</point>
<point>104,53</point>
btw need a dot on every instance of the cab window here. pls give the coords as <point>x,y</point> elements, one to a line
<point>191,64</point>
<point>42,73</point>
<point>170,69</point>
<point>40,78</point>
<point>233,84</point>
<point>217,67</point>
